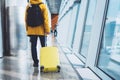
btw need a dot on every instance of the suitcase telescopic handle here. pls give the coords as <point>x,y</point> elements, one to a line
<point>45,40</point>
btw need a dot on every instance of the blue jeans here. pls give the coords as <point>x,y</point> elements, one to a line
<point>33,40</point>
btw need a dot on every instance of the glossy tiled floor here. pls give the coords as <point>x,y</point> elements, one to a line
<point>19,67</point>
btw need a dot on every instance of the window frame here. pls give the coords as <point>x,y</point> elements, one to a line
<point>93,65</point>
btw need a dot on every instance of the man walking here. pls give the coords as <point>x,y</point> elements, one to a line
<point>36,27</point>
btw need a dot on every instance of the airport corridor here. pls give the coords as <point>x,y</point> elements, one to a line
<point>86,33</point>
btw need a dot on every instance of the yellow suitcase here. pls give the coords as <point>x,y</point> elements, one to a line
<point>49,59</point>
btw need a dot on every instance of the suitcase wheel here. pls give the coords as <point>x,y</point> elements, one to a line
<point>41,68</point>
<point>58,67</point>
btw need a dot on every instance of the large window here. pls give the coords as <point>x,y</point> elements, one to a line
<point>88,26</point>
<point>109,59</point>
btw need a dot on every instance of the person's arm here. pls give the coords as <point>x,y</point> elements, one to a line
<point>46,20</point>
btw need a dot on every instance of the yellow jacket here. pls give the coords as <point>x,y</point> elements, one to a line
<point>39,30</point>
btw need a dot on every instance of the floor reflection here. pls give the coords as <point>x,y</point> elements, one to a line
<point>20,67</point>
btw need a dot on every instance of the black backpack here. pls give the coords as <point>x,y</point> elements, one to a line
<point>34,15</point>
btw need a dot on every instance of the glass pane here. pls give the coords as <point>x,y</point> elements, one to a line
<point>109,59</point>
<point>88,26</point>
<point>1,50</point>
<point>73,25</point>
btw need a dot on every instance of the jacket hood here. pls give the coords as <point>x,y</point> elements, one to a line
<point>35,1</point>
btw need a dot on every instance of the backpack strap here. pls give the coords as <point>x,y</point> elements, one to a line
<point>37,4</point>
<point>40,3</point>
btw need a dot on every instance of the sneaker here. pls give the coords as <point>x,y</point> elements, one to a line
<point>35,65</point>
